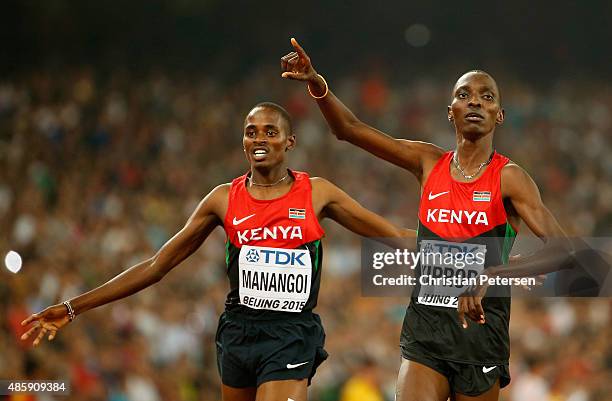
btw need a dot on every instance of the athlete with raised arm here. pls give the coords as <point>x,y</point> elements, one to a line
<point>269,342</point>
<point>472,196</point>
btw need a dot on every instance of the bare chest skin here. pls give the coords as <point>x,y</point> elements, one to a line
<point>270,193</point>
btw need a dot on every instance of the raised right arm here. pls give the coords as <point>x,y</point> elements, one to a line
<point>415,156</point>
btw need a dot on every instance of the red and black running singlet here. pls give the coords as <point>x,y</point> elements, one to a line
<point>463,228</point>
<point>273,250</point>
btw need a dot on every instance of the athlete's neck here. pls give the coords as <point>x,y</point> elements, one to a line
<point>268,177</point>
<point>472,153</point>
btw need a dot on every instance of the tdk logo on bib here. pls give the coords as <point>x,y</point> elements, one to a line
<point>427,248</point>
<point>449,248</point>
<point>276,257</point>
<point>281,258</point>
<point>252,256</point>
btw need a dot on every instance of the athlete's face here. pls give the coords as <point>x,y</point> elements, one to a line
<point>476,108</point>
<point>266,140</point>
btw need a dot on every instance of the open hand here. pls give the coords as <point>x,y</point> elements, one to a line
<point>49,321</point>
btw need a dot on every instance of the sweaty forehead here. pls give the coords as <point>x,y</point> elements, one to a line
<point>476,80</point>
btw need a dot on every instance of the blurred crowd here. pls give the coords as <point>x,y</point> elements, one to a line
<point>98,170</point>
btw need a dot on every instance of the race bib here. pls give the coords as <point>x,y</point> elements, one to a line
<point>447,270</point>
<point>274,278</point>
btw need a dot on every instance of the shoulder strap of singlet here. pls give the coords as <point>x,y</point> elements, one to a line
<point>237,184</point>
<point>441,166</point>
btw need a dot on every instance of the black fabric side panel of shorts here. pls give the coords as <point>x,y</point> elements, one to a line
<point>473,380</point>
<point>468,379</point>
<point>252,352</point>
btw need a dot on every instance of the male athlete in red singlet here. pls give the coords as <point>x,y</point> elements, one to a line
<point>471,198</point>
<point>269,342</point>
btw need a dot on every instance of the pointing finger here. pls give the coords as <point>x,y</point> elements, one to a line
<point>298,48</point>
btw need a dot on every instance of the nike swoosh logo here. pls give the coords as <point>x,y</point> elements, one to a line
<point>487,370</point>
<point>291,366</point>
<point>432,197</point>
<point>236,222</point>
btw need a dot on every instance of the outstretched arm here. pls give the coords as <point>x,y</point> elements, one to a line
<point>198,227</point>
<point>414,156</point>
<point>204,219</point>
<point>340,207</point>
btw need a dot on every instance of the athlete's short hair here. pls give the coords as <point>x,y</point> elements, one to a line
<point>280,110</point>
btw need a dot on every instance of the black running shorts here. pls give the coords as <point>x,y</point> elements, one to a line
<point>251,352</point>
<point>468,379</point>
